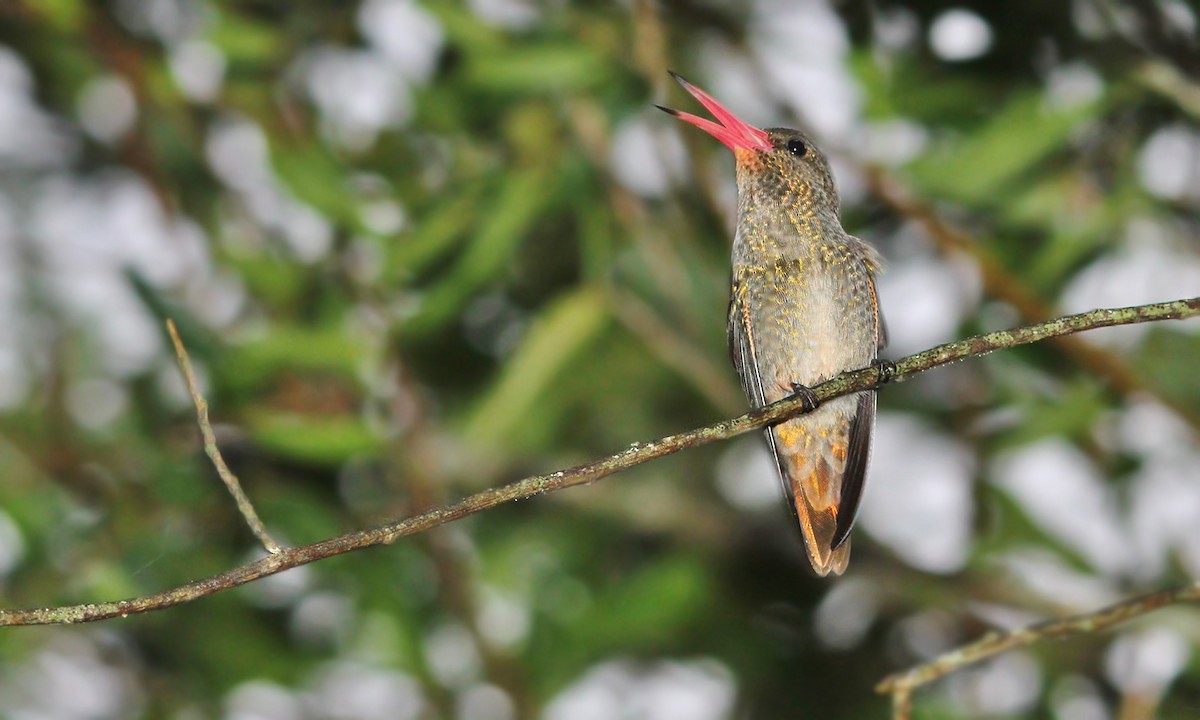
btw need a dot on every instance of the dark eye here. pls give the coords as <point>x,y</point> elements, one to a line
<point>797,147</point>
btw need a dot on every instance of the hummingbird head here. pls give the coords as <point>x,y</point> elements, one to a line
<point>775,164</point>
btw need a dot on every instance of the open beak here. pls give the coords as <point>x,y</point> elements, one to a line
<point>735,133</point>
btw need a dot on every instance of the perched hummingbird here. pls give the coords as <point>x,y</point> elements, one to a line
<point>802,309</point>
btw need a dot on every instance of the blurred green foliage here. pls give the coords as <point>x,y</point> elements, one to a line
<point>420,249</point>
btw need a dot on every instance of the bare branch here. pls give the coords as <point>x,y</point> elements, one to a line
<point>214,453</point>
<point>844,384</point>
<point>901,685</point>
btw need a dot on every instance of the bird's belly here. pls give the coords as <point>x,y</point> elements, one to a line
<point>809,326</point>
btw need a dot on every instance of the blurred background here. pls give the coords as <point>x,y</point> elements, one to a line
<point>418,249</point>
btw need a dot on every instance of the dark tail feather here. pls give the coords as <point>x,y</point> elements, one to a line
<point>858,456</point>
<point>822,461</point>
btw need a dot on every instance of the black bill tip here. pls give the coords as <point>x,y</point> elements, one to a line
<point>678,78</point>
<point>670,111</point>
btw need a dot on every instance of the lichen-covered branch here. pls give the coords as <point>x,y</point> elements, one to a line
<point>846,383</point>
<point>901,685</point>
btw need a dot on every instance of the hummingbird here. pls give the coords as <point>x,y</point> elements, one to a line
<point>803,308</point>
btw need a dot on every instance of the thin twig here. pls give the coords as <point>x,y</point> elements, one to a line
<point>901,685</point>
<point>214,453</point>
<point>844,384</point>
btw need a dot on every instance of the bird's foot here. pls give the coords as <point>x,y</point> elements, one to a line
<point>805,393</point>
<point>886,370</point>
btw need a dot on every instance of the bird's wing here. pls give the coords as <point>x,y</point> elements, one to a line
<point>741,350</point>
<point>858,455</point>
<point>807,477</point>
<point>881,328</point>
<point>862,426</point>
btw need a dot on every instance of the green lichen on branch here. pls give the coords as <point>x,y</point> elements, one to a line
<point>844,384</point>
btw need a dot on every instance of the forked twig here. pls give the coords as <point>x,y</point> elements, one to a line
<point>213,451</point>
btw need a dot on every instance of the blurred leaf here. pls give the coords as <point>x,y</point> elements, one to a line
<point>597,239</point>
<point>1071,413</point>
<point>319,439</point>
<point>274,282</point>
<point>979,165</point>
<point>466,28</point>
<point>904,89</point>
<point>635,613</point>
<point>316,177</point>
<point>538,69</point>
<point>243,40</point>
<point>523,199</point>
<point>436,233</point>
<point>1168,358</point>
<point>64,15</point>
<point>1011,528</point>
<point>645,609</point>
<point>563,331</point>
<point>26,495</point>
<point>262,654</point>
<point>291,348</point>
<point>108,579</point>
